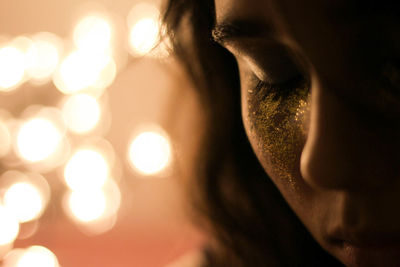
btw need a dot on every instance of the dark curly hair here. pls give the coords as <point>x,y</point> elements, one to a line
<point>234,198</point>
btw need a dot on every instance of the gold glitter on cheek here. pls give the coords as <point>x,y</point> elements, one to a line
<point>278,125</point>
<point>302,116</point>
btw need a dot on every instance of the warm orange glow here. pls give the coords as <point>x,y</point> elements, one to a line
<point>94,210</point>
<point>142,10</point>
<point>12,67</point>
<point>87,169</point>
<point>9,226</point>
<point>43,56</point>
<point>25,201</point>
<point>113,196</point>
<point>93,33</point>
<point>37,256</point>
<point>143,22</point>
<point>38,139</point>
<point>106,78</point>
<point>150,152</point>
<point>84,70</point>
<point>81,113</point>
<point>5,139</point>
<point>144,36</point>
<point>87,205</point>
<point>12,257</point>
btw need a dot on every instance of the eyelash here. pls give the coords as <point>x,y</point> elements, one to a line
<point>282,89</point>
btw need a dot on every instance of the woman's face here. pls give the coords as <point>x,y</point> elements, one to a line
<point>321,106</point>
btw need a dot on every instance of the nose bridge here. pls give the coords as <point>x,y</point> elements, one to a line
<point>338,153</point>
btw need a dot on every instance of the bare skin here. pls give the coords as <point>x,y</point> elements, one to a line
<point>325,120</point>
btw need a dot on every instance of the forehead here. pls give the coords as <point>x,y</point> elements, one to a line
<point>325,11</point>
<point>240,9</point>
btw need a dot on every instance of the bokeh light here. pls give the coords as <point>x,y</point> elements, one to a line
<point>113,197</point>
<point>9,226</point>
<point>93,32</point>
<point>144,35</point>
<point>79,70</point>
<point>94,210</point>
<point>105,78</point>
<point>12,257</point>
<point>12,67</point>
<point>43,56</point>
<point>87,205</point>
<point>38,139</point>
<point>144,28</point>
<point>150,152</point>
<point>25,201</point>
<point>81,113</point>
<point>5,139</point>
<point>83,70</point>
<point>37,256</point>
<point>87,169</point>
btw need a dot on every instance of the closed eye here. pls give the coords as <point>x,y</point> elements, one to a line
<point>282,89</point>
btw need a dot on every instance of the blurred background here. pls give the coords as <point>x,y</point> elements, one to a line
<point>98,131</point>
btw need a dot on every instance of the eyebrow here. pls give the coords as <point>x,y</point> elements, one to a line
<point>230,30</point>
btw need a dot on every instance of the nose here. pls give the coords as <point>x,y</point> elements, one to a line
<point>340,152</point>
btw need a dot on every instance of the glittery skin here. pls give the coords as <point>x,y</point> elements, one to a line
<point>279,124</point>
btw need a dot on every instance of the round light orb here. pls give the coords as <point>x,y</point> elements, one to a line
<point>87,205</point>
<point>80,70</point>
<point>12,67</point>
<point>105,79</point>
<point>43,56</point>
<point>9,226</point>
<point>38,139</point>
<point>93,32</point>
<point>25,201</point>
<point>81,113</point>
<point>144,35</point>
<point>150,152</point>
<point>37,256</point>
<point>87,169</point>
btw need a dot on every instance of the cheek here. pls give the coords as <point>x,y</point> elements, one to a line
<point>277,128</point>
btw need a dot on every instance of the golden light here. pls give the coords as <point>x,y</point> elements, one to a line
<point>12,67</point>
<point>37,256</point>
<point>43,56</point>
<point>113,197</point>
<point>81,113</point>
<point>25,201</point>
<point>143,22</point>
<point>5,139</point>
<point>142,10</point>
<point>93,33</point>
<point>95,211</point>
<point>87,205</point>
<point>83,70</point>
<point>87,169</point>
<point>9,226</point>
<point>12,257</point>
<point>144,36</point>
<point>150,152</point>
<point>22,43</point>
<point>106,78</point>
<point>38,139</point>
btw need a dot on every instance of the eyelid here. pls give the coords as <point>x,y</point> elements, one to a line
<point>283,89</point>
<point>269,61</point>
